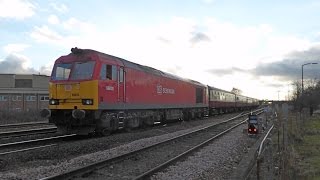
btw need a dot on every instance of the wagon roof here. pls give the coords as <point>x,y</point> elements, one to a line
<point>214,88</point>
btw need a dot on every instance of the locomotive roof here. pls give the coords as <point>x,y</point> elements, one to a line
<point>137,66</point>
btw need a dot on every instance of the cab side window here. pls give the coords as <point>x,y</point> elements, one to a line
<point>108,72</point>
<point>121,75</point>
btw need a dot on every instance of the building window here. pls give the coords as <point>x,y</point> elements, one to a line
<point>44,98</point>
<point>16,98</point>
<point>23,83</point>
<point>3,97</point>
<point>30,98</point>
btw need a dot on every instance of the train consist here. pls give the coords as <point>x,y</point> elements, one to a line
<point>91,91</point>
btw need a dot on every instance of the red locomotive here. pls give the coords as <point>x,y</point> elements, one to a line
<point>91,91</point>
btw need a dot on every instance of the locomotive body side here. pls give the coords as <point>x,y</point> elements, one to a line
<point>148,88</point>
<point>95,92</point>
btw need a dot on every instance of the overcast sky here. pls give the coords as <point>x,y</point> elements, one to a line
<point>255,46</point>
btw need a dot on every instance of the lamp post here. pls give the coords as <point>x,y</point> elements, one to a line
<point>302,75</point>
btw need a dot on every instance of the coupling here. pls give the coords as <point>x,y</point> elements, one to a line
<point>78,114</point>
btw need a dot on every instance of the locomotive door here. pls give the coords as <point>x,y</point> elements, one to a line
<point>121,85</point>
<point>108,84</point>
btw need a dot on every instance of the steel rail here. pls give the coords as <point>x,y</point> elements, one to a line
<point>28,132</point>
<point>7,145</point>
<point>193,149</point>
<point>174,159</point>
<point>26,149</point>
<point>24,124</point>
<point>103,163</point>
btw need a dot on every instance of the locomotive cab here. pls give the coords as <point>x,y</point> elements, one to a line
<point>83,85</point>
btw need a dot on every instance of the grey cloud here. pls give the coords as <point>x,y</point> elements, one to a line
<point>13,64</point>
<point>285,68</point>
<point>290,67</point>
<point>312,54</point>
<point>45,70</point>
<point>224,72</point>
<point>164,40</point>
<point>199,37</point>
<point>274,85</point>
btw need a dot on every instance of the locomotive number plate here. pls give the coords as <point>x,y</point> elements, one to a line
<point>67,87</point>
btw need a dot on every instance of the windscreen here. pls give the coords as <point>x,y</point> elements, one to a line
<point>82,70</point>
<point>75,71</point>
<point>61,71</point>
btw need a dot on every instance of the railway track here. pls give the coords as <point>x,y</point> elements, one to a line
<point>121,165</point>
<point>28,124</point>
<point>8,148</point>
<point>26,132</point>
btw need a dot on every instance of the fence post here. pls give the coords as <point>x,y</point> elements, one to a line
<point>258,168</point>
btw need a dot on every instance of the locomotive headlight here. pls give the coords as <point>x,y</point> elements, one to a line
<point>87,101</point>
<point>54,102</point>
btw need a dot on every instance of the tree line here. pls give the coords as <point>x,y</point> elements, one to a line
<point>308,97</point>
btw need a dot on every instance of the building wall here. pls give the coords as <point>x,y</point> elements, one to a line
<point>40,82</point>
<point>23,92</point>
<point>7,80</point>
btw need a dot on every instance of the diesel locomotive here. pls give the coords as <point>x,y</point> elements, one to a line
<point>93,92</point>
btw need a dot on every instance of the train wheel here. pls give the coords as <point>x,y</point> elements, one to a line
<point>107,124</point>
<point>186,116</point>
<point>148,122</point>
<point>105,132</point>
<point>131,123</point>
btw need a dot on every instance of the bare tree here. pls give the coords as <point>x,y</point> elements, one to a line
<point>309,98</point>
<point>296,90</point>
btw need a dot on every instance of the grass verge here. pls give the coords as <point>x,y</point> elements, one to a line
<point>306,151</point>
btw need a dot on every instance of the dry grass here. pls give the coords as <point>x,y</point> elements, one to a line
<point>305,150</point>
